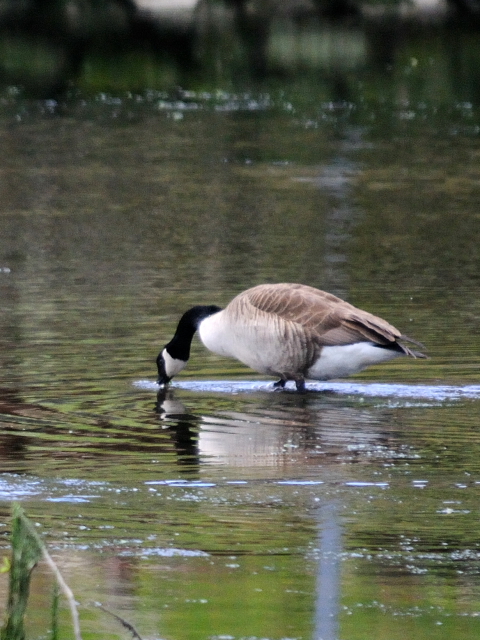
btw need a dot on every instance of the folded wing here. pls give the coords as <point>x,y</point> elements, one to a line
<point>324,318</point>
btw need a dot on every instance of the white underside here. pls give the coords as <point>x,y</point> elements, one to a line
<point>257,346</point>
<point>344,360</point>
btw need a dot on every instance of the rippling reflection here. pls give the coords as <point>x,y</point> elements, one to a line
<point>330,549</point>
<point>281,430</point>
<point>343,421</point>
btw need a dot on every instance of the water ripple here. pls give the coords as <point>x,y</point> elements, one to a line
<point>439,393</point>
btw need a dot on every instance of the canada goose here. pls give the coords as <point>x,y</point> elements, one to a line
<point>291,331</point>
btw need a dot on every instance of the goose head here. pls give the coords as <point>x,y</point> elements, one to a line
<point>174,355</point>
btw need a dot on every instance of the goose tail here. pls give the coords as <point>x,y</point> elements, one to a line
<point>410,352</point>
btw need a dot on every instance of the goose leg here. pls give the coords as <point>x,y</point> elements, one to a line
<point>300,384</point>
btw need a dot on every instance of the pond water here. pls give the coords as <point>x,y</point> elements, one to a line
<point>221,509</point>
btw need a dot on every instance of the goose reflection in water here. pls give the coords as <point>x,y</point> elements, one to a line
<point>182,425</point>
<point>295,432</point>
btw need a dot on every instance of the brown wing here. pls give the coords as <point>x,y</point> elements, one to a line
<point>323,317</point>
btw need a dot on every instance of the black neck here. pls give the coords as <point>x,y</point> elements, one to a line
<point>179,345</point>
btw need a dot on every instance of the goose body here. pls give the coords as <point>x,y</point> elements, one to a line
<point>291,331</point>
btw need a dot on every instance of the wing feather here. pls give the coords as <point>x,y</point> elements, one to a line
<point>321,316</point>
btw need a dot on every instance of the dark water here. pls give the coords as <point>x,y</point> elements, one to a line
<point>222,509</point>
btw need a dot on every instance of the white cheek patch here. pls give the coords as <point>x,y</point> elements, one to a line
<point>173,366</point>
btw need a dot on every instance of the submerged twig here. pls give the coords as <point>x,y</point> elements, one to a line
<point>126,624</point>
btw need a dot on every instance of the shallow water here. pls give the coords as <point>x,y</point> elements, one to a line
<point>220,508</point>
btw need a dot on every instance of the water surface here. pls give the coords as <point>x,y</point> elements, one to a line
<point>220,508</point>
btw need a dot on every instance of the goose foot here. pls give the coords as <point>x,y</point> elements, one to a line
<point>280,384</point>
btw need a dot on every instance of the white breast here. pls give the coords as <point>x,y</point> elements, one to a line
<point>215,334</point>
<point>342,361</point>
<point>251,341</point>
